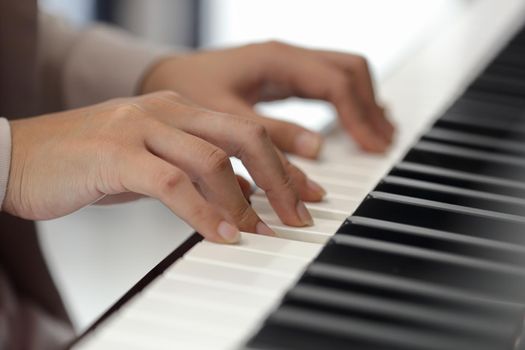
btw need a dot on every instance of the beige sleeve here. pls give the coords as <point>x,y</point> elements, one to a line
<point>79,68</point>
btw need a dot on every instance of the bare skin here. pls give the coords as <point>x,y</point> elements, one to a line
<point>176,148</point>
<point>234,80</point>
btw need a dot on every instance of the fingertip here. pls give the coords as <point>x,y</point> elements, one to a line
<point>304,214</point>
<point>308,144</point>
<point>245,186</point>
<point>228,232</point>
<point>386,127</point>
<point>263,229</point>
<point>315,188</point>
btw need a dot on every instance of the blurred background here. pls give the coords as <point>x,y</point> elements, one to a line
<point>98,253</point>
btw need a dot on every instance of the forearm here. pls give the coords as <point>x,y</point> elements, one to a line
<point>78,68</point>
<point>5,157</point>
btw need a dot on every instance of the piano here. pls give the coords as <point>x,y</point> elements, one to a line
<point>420,248</point>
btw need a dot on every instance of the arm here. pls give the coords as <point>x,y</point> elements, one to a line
<point>82,67</point>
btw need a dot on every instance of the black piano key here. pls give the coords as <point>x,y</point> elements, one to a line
<point>496,281</point>
<point>511,58</point>
<point>397,288</point>
<point>518,40</point>
<point>476,105</point>
<point>296,328</point>
<point>468,160</point>
<point>442,241</point>
<point>441,216</point>
<point>494,98</point>
<point>452,195</point>
<point>475,141</point>
<point>460,179</point>
<point>490,127</point>
<point>413,315</point>
<point>506,69</point>
<point>501,84</point>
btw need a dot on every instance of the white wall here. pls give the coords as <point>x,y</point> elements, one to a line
<point>385,31</point>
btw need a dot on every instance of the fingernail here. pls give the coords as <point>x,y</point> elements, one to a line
<point>263,229</point>
<point>228,232</point>
<point>308,144</point>
<point>303,214</point>
<point>315,187</point>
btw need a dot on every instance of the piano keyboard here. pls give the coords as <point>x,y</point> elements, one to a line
<point>432,256</point>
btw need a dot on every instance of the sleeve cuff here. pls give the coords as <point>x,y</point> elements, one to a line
<point>5,157</point>
<point>106,63</point>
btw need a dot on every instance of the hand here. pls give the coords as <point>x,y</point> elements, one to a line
<point>157,145</point>
<point>234,80</point>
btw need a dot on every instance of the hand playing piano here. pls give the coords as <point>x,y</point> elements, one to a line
<point>234,80</point>
<point>158,145</point>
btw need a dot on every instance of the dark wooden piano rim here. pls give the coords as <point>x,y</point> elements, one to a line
<point>155,272</point>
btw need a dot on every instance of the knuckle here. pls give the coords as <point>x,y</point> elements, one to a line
<point>288,183</point>
<point>242,214</point>
<point>256,132</point>
<point>167,94</point>
<point>361,62</point>
<point>217,161</point>
<point>126,111</point>
<point>341,88</point>
<point>168,181</point>
<point>275,45</point>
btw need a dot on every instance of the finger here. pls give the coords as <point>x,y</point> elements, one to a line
<point>250,143</point>
<point>288,137</point>
<point>245,186</point>
<point>359,68</point>
<point>308,189</point>
<point>312,78</point>
<point>210,168</point>
<point>149,175</point>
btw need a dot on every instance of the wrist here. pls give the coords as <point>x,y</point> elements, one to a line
<point>156,76</point>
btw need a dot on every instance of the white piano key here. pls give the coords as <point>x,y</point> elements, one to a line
<point>232,256</point>
<point>277,246</point>
<point>244,279</point>
<point>209,293</point>
<point>345,187</point>
<point>147,333</point>
<point>336,169</point>
<point>340,188</point>
<point>218,317</point>
<point>320,232</point>
<point>329,208</point>
<point>110,343</point>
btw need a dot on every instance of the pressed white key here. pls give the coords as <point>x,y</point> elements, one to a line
<point>320,232</point>
<point>231,255</point>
